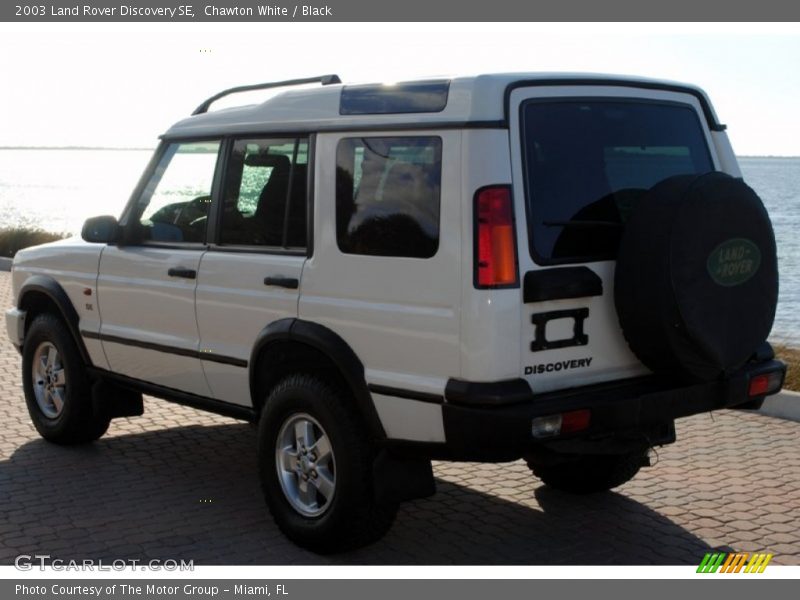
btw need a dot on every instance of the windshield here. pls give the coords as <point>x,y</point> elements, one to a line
<point>587,162</point>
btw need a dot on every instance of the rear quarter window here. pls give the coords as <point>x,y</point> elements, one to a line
<point>587,163</point>
<point>388,194</point>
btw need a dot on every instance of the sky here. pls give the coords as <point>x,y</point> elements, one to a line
<point>122,85</point>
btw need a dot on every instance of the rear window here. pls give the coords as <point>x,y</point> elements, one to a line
<point>587,162</point>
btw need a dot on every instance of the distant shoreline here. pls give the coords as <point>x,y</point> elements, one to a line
<point>74,148</point>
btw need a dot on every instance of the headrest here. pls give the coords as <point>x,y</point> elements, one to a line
<point>280,162</point>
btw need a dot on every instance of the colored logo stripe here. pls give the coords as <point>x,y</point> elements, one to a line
<point>758,563</point>
<point>703,563</point>
<point>728,561</point>
<point>738,562</point>
<point>734,562</point>
<point>711,562</point>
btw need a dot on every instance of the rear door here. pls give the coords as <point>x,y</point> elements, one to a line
<point>251,274</point>
<point>582,156</point>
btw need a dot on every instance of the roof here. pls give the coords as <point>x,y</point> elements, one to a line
<point>477,100</point>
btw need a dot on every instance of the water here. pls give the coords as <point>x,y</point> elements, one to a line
<point>777,181</point>
<point>58,189</point>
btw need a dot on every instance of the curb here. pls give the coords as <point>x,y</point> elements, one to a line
<point>5,263</point>
<point>784,405</point>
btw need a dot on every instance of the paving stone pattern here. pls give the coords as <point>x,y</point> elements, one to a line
<point>179,483</point>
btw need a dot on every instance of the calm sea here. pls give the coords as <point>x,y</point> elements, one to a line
<point>58,189</point>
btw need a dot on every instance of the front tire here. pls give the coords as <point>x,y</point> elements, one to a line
<point>592,473</point>
<point>57,386</point>
<point>315,464</point>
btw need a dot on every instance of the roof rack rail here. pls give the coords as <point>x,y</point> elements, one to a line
<point>323,79</point>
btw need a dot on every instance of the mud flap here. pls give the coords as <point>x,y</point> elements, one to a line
<point>398,479</point>
<point>114,401</point>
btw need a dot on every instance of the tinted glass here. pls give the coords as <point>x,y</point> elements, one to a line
<point>264,197</point>
<point>175,203</point>
<point>588,162</point>
<point>411,97</point>
<point>387,195</point>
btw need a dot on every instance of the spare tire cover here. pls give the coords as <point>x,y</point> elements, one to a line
<point>696,281</point>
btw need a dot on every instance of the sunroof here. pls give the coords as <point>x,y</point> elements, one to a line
<point>379,99</point>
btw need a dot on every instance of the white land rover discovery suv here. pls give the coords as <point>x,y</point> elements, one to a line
<point>548,267</point>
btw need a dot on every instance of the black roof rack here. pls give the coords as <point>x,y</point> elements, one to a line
<point>323,79</point>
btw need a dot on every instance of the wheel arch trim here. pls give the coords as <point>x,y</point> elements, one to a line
<point>49,287</point>
<point>337,350</point>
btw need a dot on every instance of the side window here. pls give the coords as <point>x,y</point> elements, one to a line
<point>387,195</point>
<point>264,196</point>
<point>174,205</point>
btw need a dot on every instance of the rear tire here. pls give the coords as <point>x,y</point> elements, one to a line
<point>315,463</point>
<point>592,473</point>
<point>57,387</point>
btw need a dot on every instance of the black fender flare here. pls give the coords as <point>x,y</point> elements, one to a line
<point>274,332</point>
<point>330,344</point>
<point>42,284</point>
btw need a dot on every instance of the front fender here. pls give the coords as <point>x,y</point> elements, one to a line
<point>43,286</point>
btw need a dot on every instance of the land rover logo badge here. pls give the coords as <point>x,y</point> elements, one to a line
<point>733,262</point>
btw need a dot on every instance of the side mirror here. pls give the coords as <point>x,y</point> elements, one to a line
<point>101,230</point>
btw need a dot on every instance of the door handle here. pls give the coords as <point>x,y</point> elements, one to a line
<point>183,273</point>
<point>291,283</point>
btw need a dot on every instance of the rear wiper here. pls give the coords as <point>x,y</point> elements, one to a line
<point>582,224</point>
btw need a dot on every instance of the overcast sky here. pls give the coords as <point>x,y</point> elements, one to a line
<point>109,85</point>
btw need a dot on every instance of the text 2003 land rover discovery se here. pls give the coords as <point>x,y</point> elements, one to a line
<point>551,267</point>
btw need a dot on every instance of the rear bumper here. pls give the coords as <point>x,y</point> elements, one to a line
<point>623,415</point>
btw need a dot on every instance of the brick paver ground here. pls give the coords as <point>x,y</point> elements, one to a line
<point>178,483</point>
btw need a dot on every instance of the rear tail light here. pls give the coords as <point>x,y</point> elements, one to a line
<point>765,384</point>
<point>553,425</point>
<point>496,245</point>
<point>577,420</point>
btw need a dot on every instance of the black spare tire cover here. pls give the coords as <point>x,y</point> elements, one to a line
<point>696,282</point>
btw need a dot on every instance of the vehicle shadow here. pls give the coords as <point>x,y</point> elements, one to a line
<point>192,493</point>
